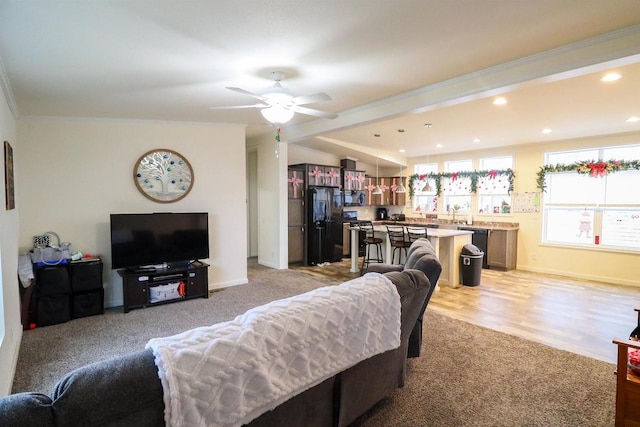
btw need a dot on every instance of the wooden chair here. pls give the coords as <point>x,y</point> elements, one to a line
<point>369,240</point>
<point>627,385</point>
<point>397,242</point>
<point>415,233</point>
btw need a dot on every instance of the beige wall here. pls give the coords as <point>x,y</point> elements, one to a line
<point>595,264</point>
<point>10,325</point>
<point>75,173</point>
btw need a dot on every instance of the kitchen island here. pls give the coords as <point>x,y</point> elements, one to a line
<point>447,244</point>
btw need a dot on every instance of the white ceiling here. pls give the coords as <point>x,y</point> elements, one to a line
<point>387,64</point>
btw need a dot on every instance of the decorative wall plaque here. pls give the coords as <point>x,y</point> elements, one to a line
<point>9,195</point>
<point>163,175</point>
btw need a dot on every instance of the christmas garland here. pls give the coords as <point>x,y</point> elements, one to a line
<point>594,168</point>
<point>474,175</point>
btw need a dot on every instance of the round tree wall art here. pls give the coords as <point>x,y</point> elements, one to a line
<point>163,175</point>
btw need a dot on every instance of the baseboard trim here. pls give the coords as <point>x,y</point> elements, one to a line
<point>595,278</point>
<point>218,286</point>
<point>6,387</point>
<point>269,264</point>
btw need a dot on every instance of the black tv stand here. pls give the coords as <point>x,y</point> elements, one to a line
<point>137,284</point>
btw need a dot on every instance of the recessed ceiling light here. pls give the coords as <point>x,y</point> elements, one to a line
<point>633,119</point>
<point>402,150</point>
<point>499,101</point>
<point>546,130</point>
<point>476,140</point>
<point>428,125</point>
<point>439,145</point>
<point>611,77</point>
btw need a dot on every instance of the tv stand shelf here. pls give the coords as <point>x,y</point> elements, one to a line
<point>136,284</point>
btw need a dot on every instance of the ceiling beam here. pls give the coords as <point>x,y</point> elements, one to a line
<point>621,47</point>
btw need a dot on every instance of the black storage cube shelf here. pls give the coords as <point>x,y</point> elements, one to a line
<point>53,309</point>
<point>68,291</point>
<point>86,276</point>
<point>53,280</point>
<point>88,304</point>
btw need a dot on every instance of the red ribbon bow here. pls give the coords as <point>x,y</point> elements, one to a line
<point>598,169</point>
<point>454,176</point>
<point>493,174</point>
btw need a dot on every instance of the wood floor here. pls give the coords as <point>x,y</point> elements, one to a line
<point>575,315</point>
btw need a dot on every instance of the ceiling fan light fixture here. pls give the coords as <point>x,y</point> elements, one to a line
<point>277,94</point>
<point>277,114</point>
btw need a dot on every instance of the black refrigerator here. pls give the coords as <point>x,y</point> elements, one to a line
<point>324,231</point>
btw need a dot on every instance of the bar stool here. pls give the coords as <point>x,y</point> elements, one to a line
<point>415,233</point>
<point>369,240</point>
<point>397,241</point>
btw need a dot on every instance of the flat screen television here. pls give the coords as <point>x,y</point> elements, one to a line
<point>147,240</point>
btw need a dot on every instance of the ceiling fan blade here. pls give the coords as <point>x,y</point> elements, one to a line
<point>312,112</point>
<point>310,99</point>
<point>246,92</point>
<point>235,107</point>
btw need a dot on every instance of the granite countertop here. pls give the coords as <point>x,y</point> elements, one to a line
<point>422,222</point>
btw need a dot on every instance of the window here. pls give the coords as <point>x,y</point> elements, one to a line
<point>425,199</point>
<point>457,190</point>
<point>493,191</point>
<point>593,211</point>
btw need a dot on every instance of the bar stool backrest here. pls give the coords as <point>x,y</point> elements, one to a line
<point>415,233</point>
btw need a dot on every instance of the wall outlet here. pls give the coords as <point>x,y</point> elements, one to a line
<point>534,257</point>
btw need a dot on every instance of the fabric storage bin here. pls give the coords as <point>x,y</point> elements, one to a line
<point>169,291</point>
<point>53,280</point>
<point>52,309</point>
<point>85,276</point>
<point>87,304</point>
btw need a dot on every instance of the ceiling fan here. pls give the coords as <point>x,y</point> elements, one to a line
<point>279,105</point>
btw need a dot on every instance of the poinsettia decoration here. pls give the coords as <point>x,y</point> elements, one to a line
<point>474,175</point>
<point>593,168</point>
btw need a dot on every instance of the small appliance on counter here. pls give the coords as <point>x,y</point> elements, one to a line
<point>381,213</point>
<point>398,217</point>
<point>350,216</point>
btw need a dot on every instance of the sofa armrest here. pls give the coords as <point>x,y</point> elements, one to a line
<point>383,268</point>
<point>121,391</point>
<point>26,410</point>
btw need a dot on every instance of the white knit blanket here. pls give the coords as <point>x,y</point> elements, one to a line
<point>229,373</point>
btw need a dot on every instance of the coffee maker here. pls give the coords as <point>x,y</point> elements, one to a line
<point>381,213</point>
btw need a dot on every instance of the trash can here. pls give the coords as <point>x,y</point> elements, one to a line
<point>470,265</point>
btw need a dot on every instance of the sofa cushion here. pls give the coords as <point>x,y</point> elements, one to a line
<point>26,410</point>
<point>116,392</point>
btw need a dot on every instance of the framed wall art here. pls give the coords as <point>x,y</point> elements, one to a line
<point>163,175</point>
<point>9,192</point>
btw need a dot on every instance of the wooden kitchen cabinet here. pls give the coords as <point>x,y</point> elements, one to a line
<point>388,196</point>
<point>296,230</point>
<point>353,180</point>
<point>296,224</point>
<point>295,184</point>
<point>320,175</point>
<point>502,247</point>
<point>397,199</point>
